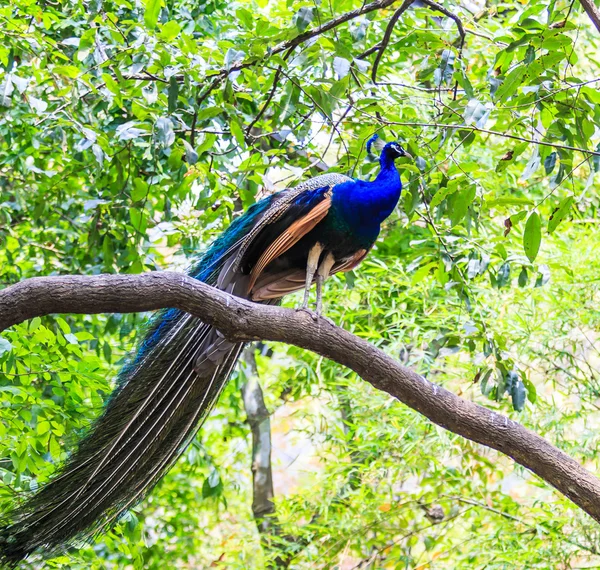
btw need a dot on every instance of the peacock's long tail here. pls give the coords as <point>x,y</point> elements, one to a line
<point>161,398</point>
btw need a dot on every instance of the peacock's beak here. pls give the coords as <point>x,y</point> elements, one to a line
<point>408,155</point>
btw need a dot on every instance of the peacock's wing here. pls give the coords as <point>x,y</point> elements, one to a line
<point>286,208</point>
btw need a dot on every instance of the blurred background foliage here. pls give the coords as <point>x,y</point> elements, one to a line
<point>132,132</point>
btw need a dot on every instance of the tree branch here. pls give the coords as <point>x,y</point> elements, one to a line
<point>459,25</point>
<point>592,11</point>
<point>380,48</point>
<point>241,320</point>
<point>387,36</point>
<point>295,42</point>
<point>259,420</point>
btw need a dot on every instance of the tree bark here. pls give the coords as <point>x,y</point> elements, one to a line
<point>259,420</point>
<point>241,320</point>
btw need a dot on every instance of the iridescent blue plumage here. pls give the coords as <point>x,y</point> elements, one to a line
<point>284,243</point>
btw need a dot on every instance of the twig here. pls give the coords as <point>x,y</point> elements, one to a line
<point>295,42</point>
<point>267,102</point>
<point>193,127</point>
<point>495,133</point>
<point>461,30</point>
<point>387,35</point>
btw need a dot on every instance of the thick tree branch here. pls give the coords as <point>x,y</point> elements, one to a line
<point>241,320</point>
<point>592,11</point>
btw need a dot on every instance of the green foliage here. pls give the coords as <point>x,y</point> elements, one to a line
<point>131,133</point>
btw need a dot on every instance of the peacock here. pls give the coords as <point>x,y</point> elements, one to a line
<point>281,244</point>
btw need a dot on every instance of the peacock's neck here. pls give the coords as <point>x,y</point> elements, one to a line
<point>364,205</point>
<point>378,198</point>
<point>387,185</point>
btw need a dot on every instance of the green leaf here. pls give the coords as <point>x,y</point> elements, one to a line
<point>532,236</point>
<point>477,113</point>
<point>173,93</point>
<point>442,193</point>
<point>517,391</point>
<point>443,74</point>
<point>151,13</point>
<point>550,163</point>
<point>461,203</point>
<point>140,190</point>
<point>170,31</point>
<point>523,277</point>
<point>206,144</point>
<point>64,327</point>
<point>212,486</point>
<point>34,324</point>
<point>341,66</point>
<point>531,391</point>
<point>560,213</point>
<point>237,133</point>
<point>209,113</point>
<point>303,17</point>
<point>191,155</point>
<point>164,131</point>
<point>503,276</point>
<point>511,83</point>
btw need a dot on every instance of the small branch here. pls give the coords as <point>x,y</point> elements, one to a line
<point>202,97</point>
<point>242,321</point>
<point>193,128</point>
<point>291,152</point>
<point>461,30</point>
<point>495,133</point>
<point>380,48</point>
<point>267,102</point>
<point>592,11</point>
<point>387,36</point>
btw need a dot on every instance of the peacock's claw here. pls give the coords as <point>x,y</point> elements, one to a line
<point>327,320</point>
<point>314,316</point>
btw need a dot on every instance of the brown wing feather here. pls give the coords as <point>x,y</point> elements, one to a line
<point>290,237</point>
<point>350,262</point>
<point>277,285</point>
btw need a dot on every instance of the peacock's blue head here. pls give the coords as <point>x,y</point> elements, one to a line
<point>389,151</point>
<point>394,150</point>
